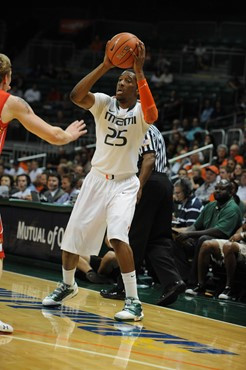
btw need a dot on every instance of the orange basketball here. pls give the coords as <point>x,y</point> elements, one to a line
<point>118,49</point>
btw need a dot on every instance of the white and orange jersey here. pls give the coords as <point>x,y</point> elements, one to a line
<point>120,133</point>
<point>3,126</point>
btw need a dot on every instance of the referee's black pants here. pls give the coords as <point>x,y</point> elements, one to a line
<point>150,234</point>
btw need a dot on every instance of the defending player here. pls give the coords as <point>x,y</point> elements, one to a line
<point>14,107</point>
<point>108,195</point>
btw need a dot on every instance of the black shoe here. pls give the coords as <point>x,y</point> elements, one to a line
<point>114,293</point>
<point>226,294</point>
<point>200,289</point>
<point>171,293</point>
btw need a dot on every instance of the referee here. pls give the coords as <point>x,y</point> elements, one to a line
<point>151,229</point>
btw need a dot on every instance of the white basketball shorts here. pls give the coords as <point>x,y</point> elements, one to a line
<point>101,204</point>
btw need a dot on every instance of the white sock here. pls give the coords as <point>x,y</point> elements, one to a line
<point>68,276</point>
<point>130,284</point>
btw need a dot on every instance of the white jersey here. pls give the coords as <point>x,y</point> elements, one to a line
<point>120,133</point>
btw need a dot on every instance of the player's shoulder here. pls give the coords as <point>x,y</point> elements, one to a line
<point>102,97</point>
<point>16,103</point>
<point>14,99</point>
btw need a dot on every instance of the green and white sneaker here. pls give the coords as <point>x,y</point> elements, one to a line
<point>62,293</point>
<point>132,311</point>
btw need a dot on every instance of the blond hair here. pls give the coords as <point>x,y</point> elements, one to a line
<point>5,66</point>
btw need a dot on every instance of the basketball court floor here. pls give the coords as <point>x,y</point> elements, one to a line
<point>83,335</point>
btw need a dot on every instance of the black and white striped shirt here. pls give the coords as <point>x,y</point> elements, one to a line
<point>154,142</point>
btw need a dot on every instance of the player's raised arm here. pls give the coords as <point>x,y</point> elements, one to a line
<point>81,95</point>
<point>147,101</point>
<point>18,108</point>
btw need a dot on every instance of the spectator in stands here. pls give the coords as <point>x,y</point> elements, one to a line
<point>231,164</point>
<point>196,127</point>
<point>68,185</point>
<point>79,182</point>
<point>195,160</point>
<point>188,56</point>
<point>218,111</point>
<point>40,183</point>
<point>167,76</point>
<point>15,170</point>
<point>85,159</point>
<point>24,187</point>
<point>221,158</point>
<point>234,251</point>
<point>234,153</point>
<point>177,125</point>
<point>242,187</point>
<point>33,94</point>
<point>208,187</point>
<point>206,112</point>
<point>161,78</point>
<point>185,124</point>
<point>218,219</point>
<point>188,47</point>
<point>222,252</point>
<point>79,170</point>
<point>225,173</point>
<point>200,53</point>
<point>237,172</point>
<point>35,170</point>
<point>209,139</point>
<point>54,191</point>
<point>182,172</point>
<point>238,201</point>
<point>8,180</point>
<point>2,168</point>
<point>243,145</point>
<point>63,167</point>
<point>180,163</point>
<point>242,103</point>
<point>189,206</point>
<point>156,79</point>
<point>197,177</point>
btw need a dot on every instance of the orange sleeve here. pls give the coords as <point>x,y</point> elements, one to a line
<point>147,102</point>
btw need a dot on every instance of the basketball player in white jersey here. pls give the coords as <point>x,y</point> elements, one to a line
<point>13,107</point>
<point>108,196</point>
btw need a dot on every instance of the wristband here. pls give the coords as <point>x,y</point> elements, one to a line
<point>147,102</point>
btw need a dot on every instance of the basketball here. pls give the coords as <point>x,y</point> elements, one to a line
<point>118,49</point>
